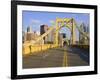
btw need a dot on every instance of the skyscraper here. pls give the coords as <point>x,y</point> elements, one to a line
<point>29,29</point>
<point>43,29</point>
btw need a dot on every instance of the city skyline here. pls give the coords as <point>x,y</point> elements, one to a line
<point>37,18</point>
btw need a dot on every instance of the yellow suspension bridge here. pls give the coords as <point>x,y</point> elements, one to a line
<point>46,55</point>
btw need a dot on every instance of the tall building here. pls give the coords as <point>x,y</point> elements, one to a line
<point>88,29</point>
<point>29,29</point>
<point>62,39</point>
<point>83,39</point>
<point>52,35</point>
<point>83,27</point>
<point>31,36</point>
<point>43,29</point>
<point>23,36</point>
<point>29,33</point>
<point>49,39</point>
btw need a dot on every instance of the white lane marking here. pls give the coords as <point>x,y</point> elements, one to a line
<point>47,54</point>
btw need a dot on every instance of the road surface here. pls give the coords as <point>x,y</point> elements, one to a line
<point>58,57</point>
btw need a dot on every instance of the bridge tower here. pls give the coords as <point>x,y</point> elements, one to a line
<point>57,32</point>
<point>60,23</point>
<point>73,32</point>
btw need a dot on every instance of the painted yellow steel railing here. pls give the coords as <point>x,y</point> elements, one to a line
<point>32,49</point>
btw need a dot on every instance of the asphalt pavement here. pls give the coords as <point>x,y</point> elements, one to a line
<point>57,57</point>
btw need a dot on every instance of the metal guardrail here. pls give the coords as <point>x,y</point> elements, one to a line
<point>81,46</point>
<point>31,49</point>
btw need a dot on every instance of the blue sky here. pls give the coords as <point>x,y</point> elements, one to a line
<point>37,18</point>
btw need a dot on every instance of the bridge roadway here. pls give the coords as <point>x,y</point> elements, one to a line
<point>58,57</point>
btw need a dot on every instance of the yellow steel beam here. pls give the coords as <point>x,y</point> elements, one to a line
<point>66,22</point>
<point>45,34</point>
<point>82,32</point>
<point>73,32</point>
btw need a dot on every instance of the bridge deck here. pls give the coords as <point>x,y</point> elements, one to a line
<point>58,57</point>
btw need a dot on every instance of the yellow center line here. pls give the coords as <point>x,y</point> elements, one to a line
<point>65,63</point>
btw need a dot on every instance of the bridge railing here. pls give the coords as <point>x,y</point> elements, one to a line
<point>81,46</point>
<point>32,49</point>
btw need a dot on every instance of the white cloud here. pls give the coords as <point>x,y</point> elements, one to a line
<point>35,21</point>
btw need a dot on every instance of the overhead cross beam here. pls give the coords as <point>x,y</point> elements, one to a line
<point>66,22</point>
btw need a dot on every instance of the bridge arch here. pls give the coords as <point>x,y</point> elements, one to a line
<point>68,23</point>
